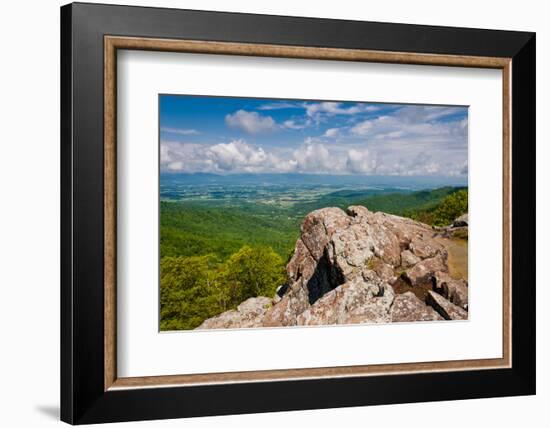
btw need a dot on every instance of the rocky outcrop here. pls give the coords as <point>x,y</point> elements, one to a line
<point>408,259</point>
<point>461,221</point>
<point>424,270</point>
<point>407,308</point>
<point>356,301</point>
<point>249,313</point>
<point>457,229</point>
<point>454,290</point>
<point>446,309</point>
<point>345,268</point>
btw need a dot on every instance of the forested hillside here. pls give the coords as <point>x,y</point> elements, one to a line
<point>216,255</point>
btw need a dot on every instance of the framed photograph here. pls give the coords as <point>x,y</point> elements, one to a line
<point>267,213</point>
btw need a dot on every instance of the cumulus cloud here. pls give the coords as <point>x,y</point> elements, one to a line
<point>414,121</point>
<point>313,157</point>
<point>331,132</point>
<point>422,163</point>
<point>331,108</point>
<point>410,140</point>
<point>359,162</point>
<point>427,113</point>
<point>176,156</point>
<point>292,124</point>
<point>363,128</point>
<point>250,122</point>
<point>236,155</point>
<point>239,156</point>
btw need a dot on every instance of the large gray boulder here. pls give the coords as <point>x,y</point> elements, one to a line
<point>446,309</point>
<point>461,221</point>
<point>407,308</point>
<point>423,271</point>
<point>454,290</point>
<point>342,271</point>
<point>355,302</point>
<point>249,313</point>
<point>408,259</point>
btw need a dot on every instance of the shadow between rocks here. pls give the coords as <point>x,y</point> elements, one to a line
<point>325,278</point>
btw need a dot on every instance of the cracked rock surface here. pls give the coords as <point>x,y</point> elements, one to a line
<point>358,266</point>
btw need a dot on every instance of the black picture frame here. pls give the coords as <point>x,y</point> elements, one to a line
<point>83,398</point>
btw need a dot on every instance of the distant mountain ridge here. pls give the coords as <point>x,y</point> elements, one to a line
<point>409,182</point>
<point>196,227</point>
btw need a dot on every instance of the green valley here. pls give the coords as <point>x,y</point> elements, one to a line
<point>212,250</point>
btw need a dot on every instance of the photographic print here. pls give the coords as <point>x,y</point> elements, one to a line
<point>283,212</point>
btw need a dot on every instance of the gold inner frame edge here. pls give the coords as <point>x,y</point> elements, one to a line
<point>113,43</point>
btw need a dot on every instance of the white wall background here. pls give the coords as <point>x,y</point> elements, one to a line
<point>29,212</point>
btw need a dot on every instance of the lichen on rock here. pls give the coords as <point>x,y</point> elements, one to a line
<point>343,270</point>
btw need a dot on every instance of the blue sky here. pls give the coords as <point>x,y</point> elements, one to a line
<point>238,135</point>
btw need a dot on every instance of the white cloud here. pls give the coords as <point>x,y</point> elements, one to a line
<point>331,132</point>
<point>331,108</point>
<point>175,166</point>
<point>363,128</point>
<point>415,124</point>
<point>279,106</point>
<point>250,122</point>
<point>311,157</point>
<point>239,156</point>
<point>422,163</point>
<point>408,141</point>
<point>180,131</point>
<point>292,124</point>
<point>314,157</point>
<point>236,155</point>
<point>427,113</point>
<point>177,156</point>
<point>359,162</point>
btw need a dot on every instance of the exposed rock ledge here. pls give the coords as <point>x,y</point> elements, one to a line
<point>346,269</point>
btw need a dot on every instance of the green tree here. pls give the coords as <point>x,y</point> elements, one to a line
<point>193,289</point>
<point>444,212</point>
<point>450,208</point>
<point>189,292</point>
<point>252,271</point>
